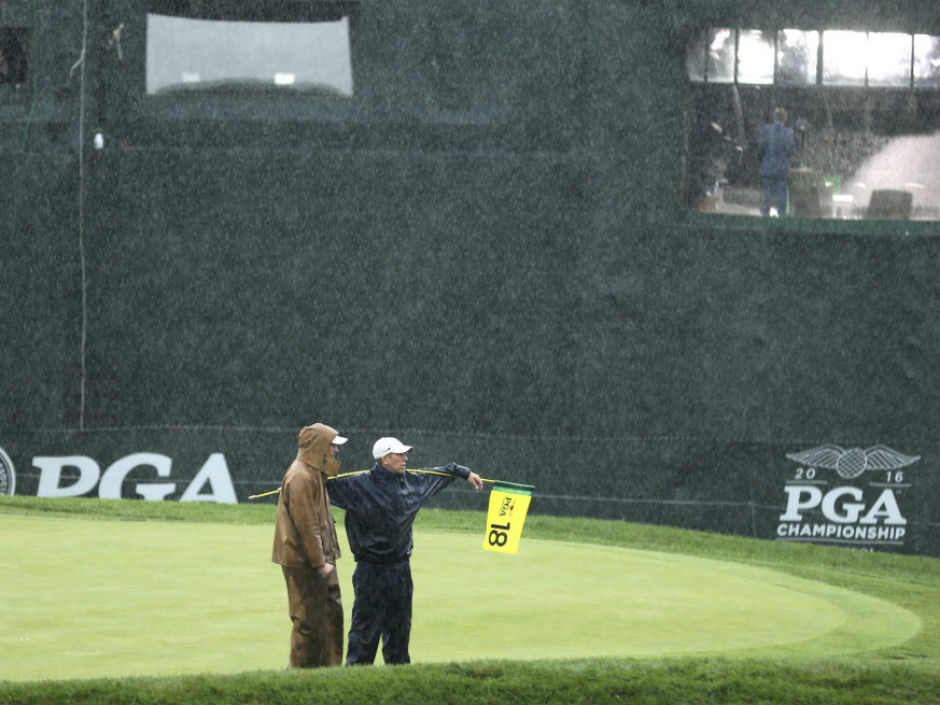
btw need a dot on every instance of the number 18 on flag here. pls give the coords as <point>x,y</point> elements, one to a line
<point>509,504</point>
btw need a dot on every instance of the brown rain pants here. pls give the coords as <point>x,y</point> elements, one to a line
<point>316,611</point>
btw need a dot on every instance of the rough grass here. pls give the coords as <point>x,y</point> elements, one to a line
<point>908,674</point>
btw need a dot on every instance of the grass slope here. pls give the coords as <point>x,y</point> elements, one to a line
<point>112,598</point>
<point>906,673</point>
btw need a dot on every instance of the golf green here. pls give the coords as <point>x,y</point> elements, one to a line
<point>85,597</point>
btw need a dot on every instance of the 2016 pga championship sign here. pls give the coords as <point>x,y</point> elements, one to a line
<point>847,514</point>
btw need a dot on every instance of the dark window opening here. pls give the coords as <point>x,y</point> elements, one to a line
<point>863,107</point>
<point>14,44</point>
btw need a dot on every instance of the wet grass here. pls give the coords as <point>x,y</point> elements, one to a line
<point>908,673</point>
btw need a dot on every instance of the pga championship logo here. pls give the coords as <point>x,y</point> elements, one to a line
<point>849,497</point>
<point>7,474</point>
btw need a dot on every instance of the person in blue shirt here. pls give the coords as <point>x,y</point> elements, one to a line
<point>775,145</point>
<point>381,505</point>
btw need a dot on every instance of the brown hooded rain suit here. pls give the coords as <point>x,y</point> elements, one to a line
<point>304,541</point>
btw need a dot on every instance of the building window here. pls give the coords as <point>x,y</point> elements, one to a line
<point>755,57</point>
<point>13,58</point>
<point>225,54</point>
<point>797,53</point>
<point>864,108</point>
<point>926,60</point>
<point>845,58</point>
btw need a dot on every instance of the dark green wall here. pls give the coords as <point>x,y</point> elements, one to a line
<point>488,260</point>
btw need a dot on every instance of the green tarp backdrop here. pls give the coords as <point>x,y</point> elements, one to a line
<point>483,251</point>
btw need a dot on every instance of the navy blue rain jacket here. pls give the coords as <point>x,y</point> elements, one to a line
<point>776,145</point>
<point>381,507</point>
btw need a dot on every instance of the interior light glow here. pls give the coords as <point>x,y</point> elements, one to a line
<point>844,57</point>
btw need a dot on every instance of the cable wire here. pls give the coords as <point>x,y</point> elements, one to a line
<point>81,213</point>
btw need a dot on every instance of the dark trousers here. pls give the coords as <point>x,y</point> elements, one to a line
<point>382,608</point>
<point>774,193</point>
<point>316,611</point>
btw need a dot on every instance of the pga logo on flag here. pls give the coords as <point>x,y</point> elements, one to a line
<point>509,504</point>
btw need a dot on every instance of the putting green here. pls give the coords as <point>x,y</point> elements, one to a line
<point>567,600</point>
<point>84,598</point>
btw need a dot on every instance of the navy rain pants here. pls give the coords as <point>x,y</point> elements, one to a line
<point>382,608</point>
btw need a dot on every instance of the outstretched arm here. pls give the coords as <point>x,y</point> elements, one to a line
<point>466,474</point>
<point>437,478</point>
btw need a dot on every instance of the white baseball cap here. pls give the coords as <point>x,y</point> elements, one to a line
<point>387,445</point>
<point>339,440</point>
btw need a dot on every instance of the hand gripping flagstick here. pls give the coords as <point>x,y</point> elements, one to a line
<point>509,504</point>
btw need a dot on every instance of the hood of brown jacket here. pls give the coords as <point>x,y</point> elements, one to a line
<point>313,448</point>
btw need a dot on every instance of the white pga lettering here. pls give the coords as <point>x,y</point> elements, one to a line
<point>214,472</point>
<point>836,509</point>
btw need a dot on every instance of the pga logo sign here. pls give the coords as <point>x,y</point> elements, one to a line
<point>213,474</point>
<point>847,515</point>
<point>837,507</point>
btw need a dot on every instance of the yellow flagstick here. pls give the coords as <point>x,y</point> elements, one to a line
<point>359,472</point>
<point>435,472</point>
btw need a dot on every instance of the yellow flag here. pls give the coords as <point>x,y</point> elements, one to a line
<point>509,504</point>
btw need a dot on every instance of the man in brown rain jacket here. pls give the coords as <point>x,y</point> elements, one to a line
<point>306,548</point>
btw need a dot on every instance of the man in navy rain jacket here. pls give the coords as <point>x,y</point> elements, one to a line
<point>381,505</point>
<point>775,145</point>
